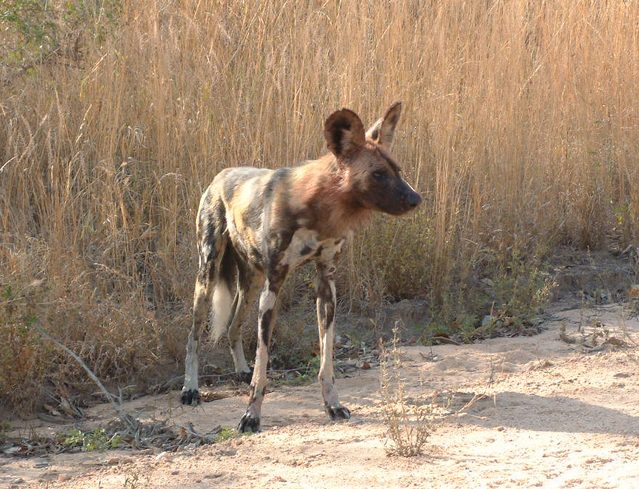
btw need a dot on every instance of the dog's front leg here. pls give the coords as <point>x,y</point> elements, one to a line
<point>268,298</point>
<point>326,305</point>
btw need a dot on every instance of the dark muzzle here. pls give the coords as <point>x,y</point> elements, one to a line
<point>413,199</point>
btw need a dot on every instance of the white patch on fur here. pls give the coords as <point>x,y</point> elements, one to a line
<point>191,370</point>
<point>221,311</point>
<point>330,249</point>
<point>267,302</point>
<point>239,360</point>
<point>259,371</point>
<point>302,238</point>
<point>260,378</point>
<point>267,299</point>
<point>326,373</point>
<point>306,239</point>
<point>331,284</point>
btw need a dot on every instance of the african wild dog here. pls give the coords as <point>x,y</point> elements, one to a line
<point>255,225</point>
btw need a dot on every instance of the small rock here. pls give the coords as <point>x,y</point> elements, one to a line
<point>213,476</point>
<point>541,364</point>
<point>622,375</point>
<point>164,457</point>
<point>366,366</point>
<point>53,411</point>
<point>633,292</point>
<point>63,477</point>
<point>175,472</point>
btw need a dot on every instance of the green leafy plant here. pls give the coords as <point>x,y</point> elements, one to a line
<point>95,440</point>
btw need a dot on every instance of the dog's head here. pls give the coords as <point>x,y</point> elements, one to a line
<point>370,173</point>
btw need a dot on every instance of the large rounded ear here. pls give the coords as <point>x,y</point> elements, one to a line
<point>383,131</point>
<point>344,133</point>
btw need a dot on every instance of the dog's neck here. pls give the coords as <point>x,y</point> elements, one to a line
<point>322,189</point>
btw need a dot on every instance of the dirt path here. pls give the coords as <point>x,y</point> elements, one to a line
<point>553,417</point>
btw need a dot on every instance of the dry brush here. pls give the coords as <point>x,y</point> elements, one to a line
<point>520,130</point>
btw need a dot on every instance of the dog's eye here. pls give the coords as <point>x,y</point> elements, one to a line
<point>379,175</point>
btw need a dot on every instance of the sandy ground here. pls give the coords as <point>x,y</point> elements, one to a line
<point>554,416</point>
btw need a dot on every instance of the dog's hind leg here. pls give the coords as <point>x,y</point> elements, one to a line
<point>211,283</point>
<point>247,291</point>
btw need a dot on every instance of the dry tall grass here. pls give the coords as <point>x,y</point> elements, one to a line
<point>520,128</point>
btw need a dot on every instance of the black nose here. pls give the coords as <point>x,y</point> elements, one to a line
<point>414,199</point>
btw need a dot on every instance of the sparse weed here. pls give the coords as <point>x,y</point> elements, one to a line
<point>408,425</point>
<point>522,288</point>
<point>227,433</point>
<point>135,480</point>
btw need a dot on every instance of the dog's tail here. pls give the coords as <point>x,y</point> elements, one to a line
<point>225,295</point>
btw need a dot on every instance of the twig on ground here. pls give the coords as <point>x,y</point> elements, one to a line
<point>127,419</point>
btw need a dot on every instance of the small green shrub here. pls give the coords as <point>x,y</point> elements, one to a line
<point>95,440</point>
<point>507,300</point>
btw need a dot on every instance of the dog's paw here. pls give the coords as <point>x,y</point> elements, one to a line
<point>337,413</point>
<point>191,397</point>
<point>249,424</point>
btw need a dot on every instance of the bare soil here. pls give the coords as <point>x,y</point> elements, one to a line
<point>560,409</point>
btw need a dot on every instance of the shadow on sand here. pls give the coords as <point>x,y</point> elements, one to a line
<point>555,414</point>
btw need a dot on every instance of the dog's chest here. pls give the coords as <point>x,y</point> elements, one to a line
<point>305,246</point>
